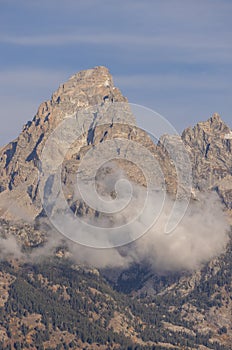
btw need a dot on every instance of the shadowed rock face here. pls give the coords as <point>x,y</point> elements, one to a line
<point>208,144</point>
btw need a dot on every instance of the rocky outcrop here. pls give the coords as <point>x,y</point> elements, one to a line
<point>210,149</point>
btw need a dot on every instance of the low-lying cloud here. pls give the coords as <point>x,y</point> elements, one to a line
<point>10,248</point>
<point>201,235</point>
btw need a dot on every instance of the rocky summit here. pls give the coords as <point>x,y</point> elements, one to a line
<point>53,293</point>
<point>19,159</point>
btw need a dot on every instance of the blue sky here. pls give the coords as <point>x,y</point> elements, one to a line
<point>173,56</point>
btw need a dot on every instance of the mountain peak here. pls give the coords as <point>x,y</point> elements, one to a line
<point>216,121</point>
<point>214,126</point>
<point>209,142</point>
<point>215,117</point>
<point>87,88</point>
<point>98,76</point>
<point>97,72</point>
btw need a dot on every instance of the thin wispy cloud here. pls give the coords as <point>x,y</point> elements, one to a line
<point>182,41</point>
<point>34,78</point>
<point>199,81</point>
<point>177,47</point>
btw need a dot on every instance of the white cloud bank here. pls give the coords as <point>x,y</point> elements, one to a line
<point>200,236</point>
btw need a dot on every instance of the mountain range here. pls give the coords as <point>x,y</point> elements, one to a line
<point>157,292</point>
